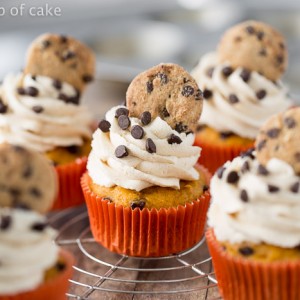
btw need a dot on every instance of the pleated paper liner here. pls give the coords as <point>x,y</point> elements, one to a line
<point>146,233</point>
<point>52,289</point>
<point>242,279</point>
<point>214,156</point>
<point>70,192</point>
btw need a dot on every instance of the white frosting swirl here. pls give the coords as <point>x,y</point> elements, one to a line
<point>25,254</point>
<point>141,169</point>
<point>59,124</point>
<point>247,116</point>
<point>272,212</point>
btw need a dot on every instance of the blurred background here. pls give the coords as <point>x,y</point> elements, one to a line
<point>129,36</point>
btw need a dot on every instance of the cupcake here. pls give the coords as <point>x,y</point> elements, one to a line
<point>241,88</point>
<point>144,193</point>
<point>32,266</point>
<point>254,217</point>
<point>40,109</point>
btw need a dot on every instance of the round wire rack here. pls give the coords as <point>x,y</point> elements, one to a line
<point>101,274</point>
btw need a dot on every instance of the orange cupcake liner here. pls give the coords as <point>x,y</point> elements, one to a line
<point>53,289</point>
<point>245,279</point>
<point>146,233</point>
<point>214,156</point>
<point>69,191</point>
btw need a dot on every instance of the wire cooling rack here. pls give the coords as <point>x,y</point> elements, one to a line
<point>101,274</point>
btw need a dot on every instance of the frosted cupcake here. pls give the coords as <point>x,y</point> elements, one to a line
<point>145,196</point>
<point>254,218</point>
<point>40,109</point>
<point>242,89</point>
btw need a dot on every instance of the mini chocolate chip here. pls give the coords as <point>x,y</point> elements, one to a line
<point>281,45</point>
<point>21,91</point>
<point>289,122</point>
<point>220,172</point>
<point>174,139</point>
<point>179,127</point>
<point>260,35</point>
<point>39,226</point>
<point>280,59</point>
<point>27,171</point>
<point>124,122</point>
<point>150,146</point>
<point>14,192</point>
<point>46,44</point>
<point>5,222</point>
<point>295,187</point>
<point>74,149</point>
<point>33,77</point>
<point>250,29</point>
<point>232,177</point>
<point>185,80</point>
<point>163,78</point>
<point>205,188</point>
<point>121,151</point>
<point>31,91</point>
<point>165,113</point>
<point>273,133</point>
<point>104,126</point>
<point>262,52</point>
<point>57,84</point>
<point>273,188</point>
<point>246,251</point>
<point>138,204</point>
<point>149,86</point>
<point>74,99</point>
<point>248,153</point>
<point>233,99</point>
<point>245,74</point>
<point>210,71</point>
<point>227,71</point>
<point>187,91</point>
<point>3,108</point>
<point>261,145</point>
<point>297,156</point>
<point>245,167</point>
<point>145,118</point>
<point>262,170</point>
<point>63,39</point>
<point>225,135</point>
<point>207,94</point>
<point>60,266</point>
<point>37,109</point>
<point>68,55</point>
<point>35,192</point>
<point>63,97</point>
<point>244,196</point>
<point>87,78</point>
<point>121,111</point>
<point>198,95</point>
<point>261,94</point>
<point>137,132</point>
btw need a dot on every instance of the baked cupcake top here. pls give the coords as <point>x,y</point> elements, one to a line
<point>257,200</point>
<point>40,108</point>
<point>241,80</point>
<point>135,148</point>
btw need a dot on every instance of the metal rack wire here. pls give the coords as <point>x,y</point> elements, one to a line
<point>99,272</point>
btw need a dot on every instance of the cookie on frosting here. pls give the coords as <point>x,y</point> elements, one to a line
<point>255,46</point>
<point>61,58</point>
<point>26,179</point>
<point>280,138</point>
<point>167,91</point>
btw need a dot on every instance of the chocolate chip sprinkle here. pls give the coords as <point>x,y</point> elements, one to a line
<point>205,188</point>
<point>289,122</point>
<point>31,91</point>
<point>5,222</point>
<point>260,94</point>
<point>187,91</point>
<point>57,84</point>
<point>146,118</point>
<point>246,251</point>
<point>68,55</point>
<point>163,78</point>
<point>138,204</point>
<point>273,188</point>
<point>87,78</point>
<point>46,44</point>
<point>165,113</point>
<point>104,125</point>
<point>121,151</point>
<point>248,153</point>
<point>245,167</point>
<point>21,91</point>
<point>33,77</point>
<point>220,172</point>
<point>198,95</point>
<point>233,99</point>
<point>174,139</point>
<point>63,97</point>
<point>207,93</point>
<point>179,127</point>
<point>124,122</point>
<point>149,86</point>
<point>39,226</point>
<point>3,107</point>
<point>37,109</point>
<point>260,35</point>
<point>295,187</point>
<point>121,111</point>
<point>245,75</point>
<point>150,146</point>
<point>273,133</point>
<point>227,71</point>
<point>233,177</point>
<point>35,192</point>
<point>244,196</point>
<point>262,170</point>
<point>250,29</point>
<point>137,132</point>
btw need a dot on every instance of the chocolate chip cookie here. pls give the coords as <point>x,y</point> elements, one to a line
<point>62,58</point>
<point>26,179</point>
<point>280,138</point>
<point>254,46</point>
<point>167,91</point>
